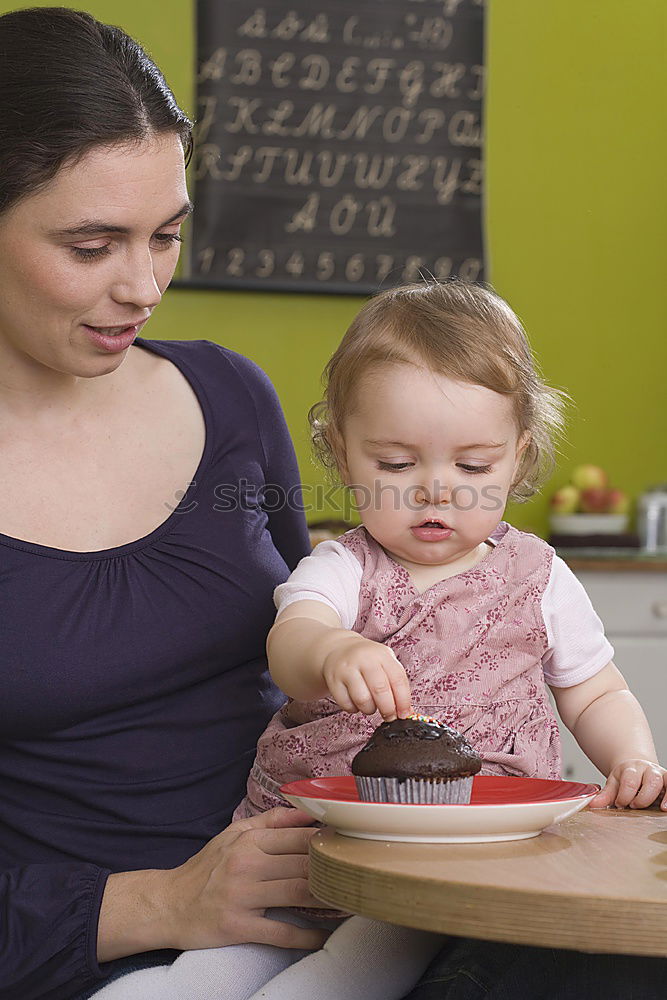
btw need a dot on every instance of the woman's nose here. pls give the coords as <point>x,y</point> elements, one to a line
<point>137,283</point>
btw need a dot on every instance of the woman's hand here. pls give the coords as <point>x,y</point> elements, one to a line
<point>365,676</point>
<point>218,896</point>
<point>633,783</point>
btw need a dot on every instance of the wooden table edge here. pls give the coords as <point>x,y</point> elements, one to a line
<point>633,927</point>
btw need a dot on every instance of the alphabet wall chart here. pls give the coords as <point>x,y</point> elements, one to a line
<point>338,144</point>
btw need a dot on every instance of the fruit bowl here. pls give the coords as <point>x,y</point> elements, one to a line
<point>588,524</point>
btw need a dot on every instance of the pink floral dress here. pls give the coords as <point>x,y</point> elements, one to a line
<point>472,646</point>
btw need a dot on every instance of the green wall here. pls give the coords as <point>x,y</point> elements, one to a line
<point>576,226</point>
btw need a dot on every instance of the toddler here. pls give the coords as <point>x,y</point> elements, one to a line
<point>434,415</point>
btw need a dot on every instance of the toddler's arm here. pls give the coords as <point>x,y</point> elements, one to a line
<point>311,656</point>
<point>609,725</point>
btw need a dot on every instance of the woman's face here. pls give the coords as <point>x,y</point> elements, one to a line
<point>84,261</point>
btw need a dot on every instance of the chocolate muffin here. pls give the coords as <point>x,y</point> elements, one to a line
<point>417,760</point>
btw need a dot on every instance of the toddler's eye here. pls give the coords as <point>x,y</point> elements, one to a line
<point>394,466</point>
<point>474,468</point>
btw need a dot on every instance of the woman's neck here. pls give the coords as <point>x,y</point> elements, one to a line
<point>31,390</point>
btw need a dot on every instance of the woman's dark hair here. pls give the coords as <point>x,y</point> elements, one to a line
<point>67,84</point>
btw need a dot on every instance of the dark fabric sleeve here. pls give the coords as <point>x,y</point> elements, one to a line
<point>48,930</point>
<point>283,497</point>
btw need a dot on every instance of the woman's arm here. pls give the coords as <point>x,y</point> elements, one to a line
<point>59,921</point>
<point>217,897</point>
<point>282,485</point>
<point>48,915</point>
<point>609,725</point>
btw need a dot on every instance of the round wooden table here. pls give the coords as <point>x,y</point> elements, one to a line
<point>596,882</point>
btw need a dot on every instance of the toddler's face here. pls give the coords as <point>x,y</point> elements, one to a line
<point>423,448</point>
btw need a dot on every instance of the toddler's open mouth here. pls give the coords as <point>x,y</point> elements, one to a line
<point>431,529</point>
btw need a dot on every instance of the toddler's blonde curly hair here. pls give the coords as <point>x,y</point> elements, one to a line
<point>463,331</point>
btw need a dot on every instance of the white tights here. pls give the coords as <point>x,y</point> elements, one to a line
<point>362,958</point>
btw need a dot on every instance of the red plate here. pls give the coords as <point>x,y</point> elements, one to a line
<point>487,790</point>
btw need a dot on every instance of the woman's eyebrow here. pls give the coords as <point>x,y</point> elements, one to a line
<point>94,227</point>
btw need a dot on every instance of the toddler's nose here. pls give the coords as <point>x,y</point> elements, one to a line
<point>435,494</point>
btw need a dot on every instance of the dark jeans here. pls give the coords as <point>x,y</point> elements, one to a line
<point>466,969</point>
<point>487,970</point>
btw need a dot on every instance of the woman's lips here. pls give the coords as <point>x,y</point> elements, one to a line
<point>114,342</point>
<point>111,329</point>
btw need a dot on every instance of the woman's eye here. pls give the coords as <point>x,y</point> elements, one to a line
<point>90,253</point>
<point>167,239</point>
<point>394,466</point>
<point>163,241</point>
<point>474,468</point>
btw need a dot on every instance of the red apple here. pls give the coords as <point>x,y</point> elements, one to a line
<point>594,501</point>
<point>618,502</point>
<point>565,500</point>
<point>589,477</point>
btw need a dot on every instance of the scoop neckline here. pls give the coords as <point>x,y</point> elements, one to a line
<point>157,347</point>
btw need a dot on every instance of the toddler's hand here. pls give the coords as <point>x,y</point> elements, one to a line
<point>365,676</point>
<point>634,783</point>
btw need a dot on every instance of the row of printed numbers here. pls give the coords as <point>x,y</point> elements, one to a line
<point>238,263</point>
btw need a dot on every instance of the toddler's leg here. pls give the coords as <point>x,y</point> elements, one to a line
<point>362,958</point>
<point>231,973</point>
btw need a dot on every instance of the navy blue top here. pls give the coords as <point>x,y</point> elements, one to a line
<point>134,682</point>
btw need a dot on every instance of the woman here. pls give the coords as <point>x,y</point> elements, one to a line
<point>138,564</point>
<point>136,582</point>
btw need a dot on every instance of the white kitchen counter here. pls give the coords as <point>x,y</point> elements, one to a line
<point>629,593</point>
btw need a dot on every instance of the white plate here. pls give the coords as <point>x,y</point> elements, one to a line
<point>588,524</point>
<point>500,809</point>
